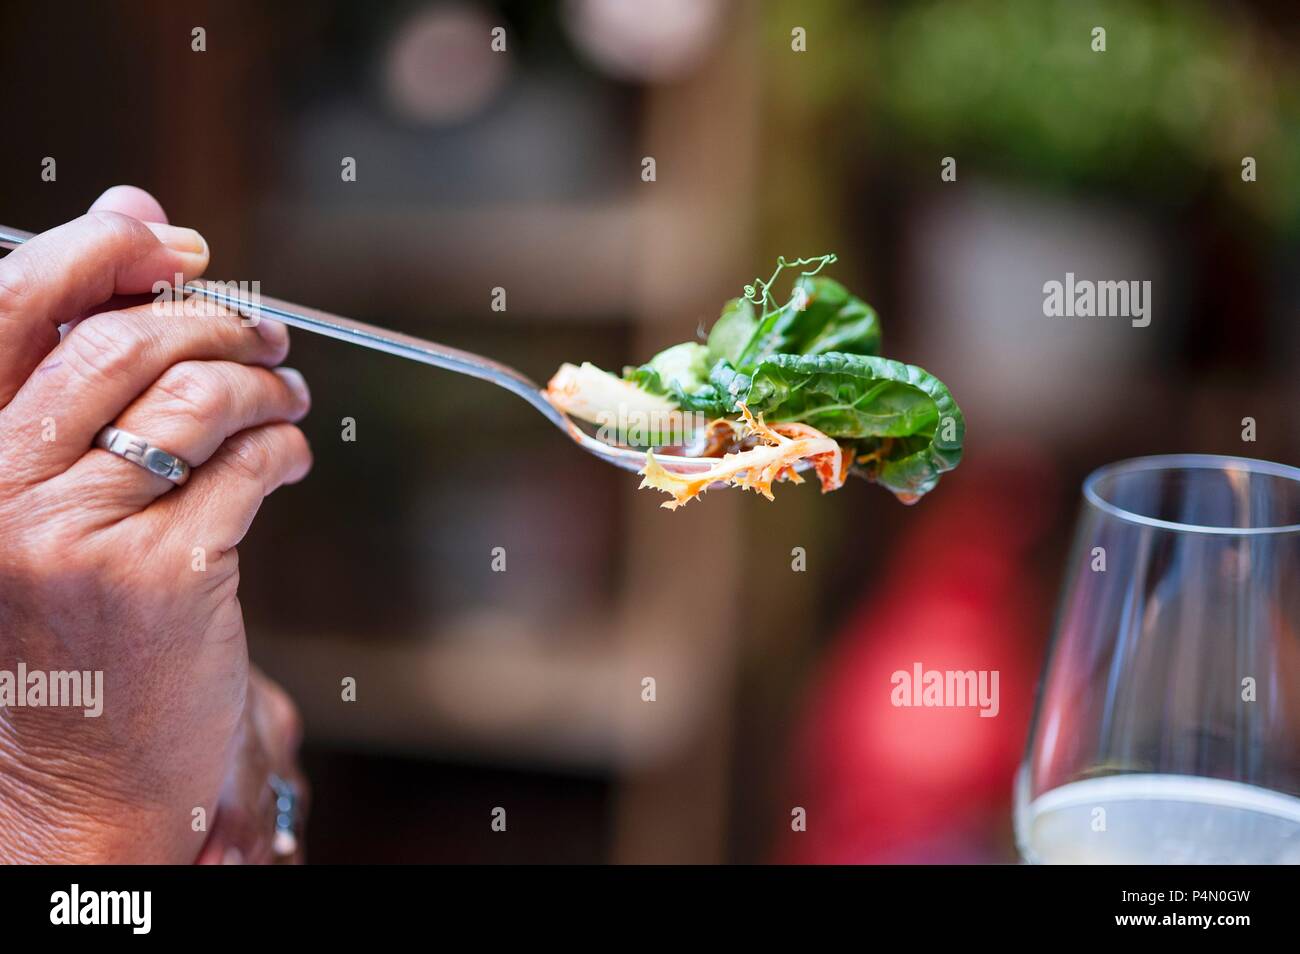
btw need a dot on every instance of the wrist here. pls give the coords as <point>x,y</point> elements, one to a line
<point>55,811</point>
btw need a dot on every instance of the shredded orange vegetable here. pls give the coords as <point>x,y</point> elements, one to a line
<point>756,469</point>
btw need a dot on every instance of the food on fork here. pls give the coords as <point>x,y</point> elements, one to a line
<point>773,389</point>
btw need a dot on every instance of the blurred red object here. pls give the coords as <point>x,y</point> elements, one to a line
<point>884,783</point>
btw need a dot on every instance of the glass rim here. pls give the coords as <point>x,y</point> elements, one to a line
<point>1187,462</point>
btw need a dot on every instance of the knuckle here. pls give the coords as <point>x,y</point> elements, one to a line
<point>251,456</point>
<point>17,282</point>
<point>115,228</point>
<point>196,391</point>
<point>106,344</point>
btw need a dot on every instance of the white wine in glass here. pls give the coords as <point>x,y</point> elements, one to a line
<point>1167,727</point>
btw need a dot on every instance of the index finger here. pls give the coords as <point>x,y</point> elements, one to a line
<point>62,273</point>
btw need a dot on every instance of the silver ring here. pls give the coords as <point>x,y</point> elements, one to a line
<point>143,454</point>
<point>284,840</point>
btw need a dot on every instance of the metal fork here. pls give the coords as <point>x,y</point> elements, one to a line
<point>417,349</point>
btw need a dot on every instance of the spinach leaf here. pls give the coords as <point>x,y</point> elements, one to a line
<point>846,395</point>
<point>907,427</point>
<point>852,328</point>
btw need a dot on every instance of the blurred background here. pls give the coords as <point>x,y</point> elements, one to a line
<point>521,169</point>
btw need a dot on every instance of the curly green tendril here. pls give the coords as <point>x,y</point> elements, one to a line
<point>760,292</point>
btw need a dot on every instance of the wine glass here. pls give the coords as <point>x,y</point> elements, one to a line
<point>1167,725</point>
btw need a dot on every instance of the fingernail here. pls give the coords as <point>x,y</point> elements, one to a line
<point>296,382</point>
<point>273,332</point>
<point>179,239</point>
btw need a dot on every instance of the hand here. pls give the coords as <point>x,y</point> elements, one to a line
<point>106,566</point>
<point>267,745</point>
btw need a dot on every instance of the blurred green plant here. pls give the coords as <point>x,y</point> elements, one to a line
<point>1181,92</point>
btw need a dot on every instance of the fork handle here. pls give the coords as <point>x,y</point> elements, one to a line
<point>358,333</point>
